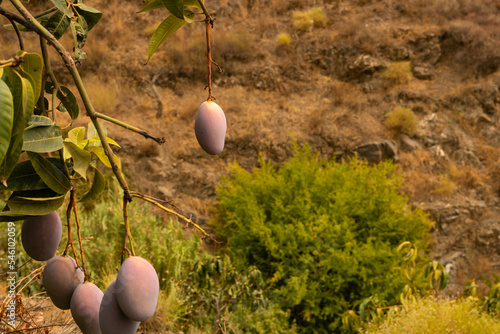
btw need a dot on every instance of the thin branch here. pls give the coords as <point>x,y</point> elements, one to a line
<point>129,127</point>
<point>128,235</point>
<point>70,239</point>
<point>207,14</point>
<point>73,202</point>
<point>70,64</point>
<point>187,220</point>
<point>209,56</point>
<point>19,37</point>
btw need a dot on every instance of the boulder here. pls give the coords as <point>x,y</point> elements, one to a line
<point>378,151</point>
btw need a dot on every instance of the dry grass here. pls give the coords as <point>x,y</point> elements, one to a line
<point>401,120</point>
<point>397,73</point>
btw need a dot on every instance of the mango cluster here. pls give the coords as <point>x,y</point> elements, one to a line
<point>128,300</point>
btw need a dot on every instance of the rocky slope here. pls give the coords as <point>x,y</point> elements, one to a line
<point>331,83</point>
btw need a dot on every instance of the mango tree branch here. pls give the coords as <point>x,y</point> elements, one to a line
<point>129,127</point>
<point>178,215</point>
<point>207,14</point>
<point>70,64</point>
<point>21,43</point>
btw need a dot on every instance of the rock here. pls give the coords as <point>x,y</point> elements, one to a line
<point>407,144</point>
<point>362,66</point>
<point>426,49</point>
<point>423,72</point>
<point>378,151</point>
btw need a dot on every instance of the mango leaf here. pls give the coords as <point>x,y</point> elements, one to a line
<point>22,94</point>
<point>32,69</point>
<point>8,216</point>
<point>152,5</point>
<point>99,151</point>
<point>43,139</point>
<point>98,140</point>
<point>11,158</point>
<point>24,177</point>
<point>192,3</point>
<point>91,15</point>
<point>57,24</point>
<point>175,7</point>
<point>170,25</point>
<point>35,206</point>
<point>97,186</point>
<point>79,30</point>
<point>49,173</point>
<point>36,121</point>
<point>77,136</point>
<point>63,7</point>
<point>7,117</point>
<point>81,158</point>
<point>68,103</point>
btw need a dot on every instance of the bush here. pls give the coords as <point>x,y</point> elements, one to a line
<point>398,72</point>
<point>323,234</point>
<point>430,315</point>
<point>401,120</point>
<point>313,17</point>
<point>283,39</point>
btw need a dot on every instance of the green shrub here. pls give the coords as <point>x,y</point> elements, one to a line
<point>313,17</point>
<point>283,39</point>
<point>398,72</point>
<point>430,316</point>
<point>401,120</point>
<point>324,234</point>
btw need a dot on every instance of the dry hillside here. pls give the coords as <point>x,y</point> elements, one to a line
<point>325,72</point>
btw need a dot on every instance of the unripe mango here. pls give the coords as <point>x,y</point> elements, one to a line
<point>137,288</point>
<point>210,127</point>
<point>85,304</point>
<point>60,278</point>
<point>41,235</point>
<point>112,320</point>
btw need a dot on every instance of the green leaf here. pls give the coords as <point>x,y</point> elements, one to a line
<point>97,187</point>
<point>43,139</point>
<point>152,5</point>
<point>8,216</point>
<point>22,94</point>
<point>91,15</point>
<point>57,24</point>
<point>192,3</point>
<point>98,140</point>
<point>81,158</point>
<point>32,69</point>
<point>99,151</point>
<point>7,117</point>
<point>175,7</point>
<point>11,158</point>
<point>77,136</point>
<point>50,174</point>
<point>34,206</point>
<point>36,121</point>
<point>69,102</point>
<point>63,7</point>
<point>170,25</point>
<point>24,177</point>
<point>79,30</point>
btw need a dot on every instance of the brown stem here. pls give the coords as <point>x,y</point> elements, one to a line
<point>128,235</point>
<point>178,215</point>
<point>70,239</point>
<point>73,202</point>
<point>209,56</point>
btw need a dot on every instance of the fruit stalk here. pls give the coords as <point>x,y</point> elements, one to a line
<point>209,56</point>
<point>128,234</point>
<point>73,203</point>
<point>70,239</point>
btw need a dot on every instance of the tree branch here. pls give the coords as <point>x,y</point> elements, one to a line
<point>129,127</point>
<point>70,64</point>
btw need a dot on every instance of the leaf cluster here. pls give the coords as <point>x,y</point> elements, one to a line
<point>323,234</point>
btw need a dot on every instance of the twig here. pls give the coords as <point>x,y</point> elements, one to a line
<point>128,235</point>
<point>19,37</point>
<point>129,127</point>
<point>73,202</point>
<point>70,239</point>
<point>187,220</point>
